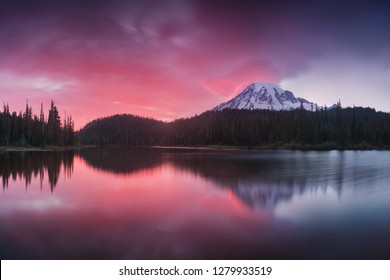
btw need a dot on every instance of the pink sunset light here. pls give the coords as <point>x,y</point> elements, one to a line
<point>172,59</point>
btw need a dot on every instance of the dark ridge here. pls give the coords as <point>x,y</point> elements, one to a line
<point>349,128</point>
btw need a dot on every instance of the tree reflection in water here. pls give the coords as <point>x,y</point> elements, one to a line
<point>261,179</point>
<point>182,203</point>
<point>28,165</point>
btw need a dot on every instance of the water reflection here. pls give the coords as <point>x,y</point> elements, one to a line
<point>261,179</point>
<point>140,203</point>
<point>120,160</point>
<point>28,165</point>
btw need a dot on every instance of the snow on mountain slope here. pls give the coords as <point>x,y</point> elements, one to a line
<point>266,96</point>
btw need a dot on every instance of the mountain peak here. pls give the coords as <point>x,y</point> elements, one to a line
<point>262,95</point>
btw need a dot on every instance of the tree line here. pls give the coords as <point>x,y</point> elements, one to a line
<point>336,128</point>
<point>24,128</point>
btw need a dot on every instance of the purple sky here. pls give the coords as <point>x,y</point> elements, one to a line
<point>171,59</point>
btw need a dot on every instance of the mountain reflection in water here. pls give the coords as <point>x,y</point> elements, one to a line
<point>195,203</point>
<point>260,179</point>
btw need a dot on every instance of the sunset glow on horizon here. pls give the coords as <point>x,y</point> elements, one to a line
<point>172,59</point>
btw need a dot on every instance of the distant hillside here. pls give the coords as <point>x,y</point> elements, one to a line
<point>351,127</point>
<point>121,130</point>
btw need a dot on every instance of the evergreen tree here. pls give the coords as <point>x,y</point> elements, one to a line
<point>6,125</point>
<point>27,124</point>
<point>70,131</point>
<point>302,125</point>
<point>353,125</point>
<point>42,127</point>
<point>340,136</point>
<point>53,126</point>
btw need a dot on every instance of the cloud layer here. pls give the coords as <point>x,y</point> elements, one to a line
<point>168,59</point>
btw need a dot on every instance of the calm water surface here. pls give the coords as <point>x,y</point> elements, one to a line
<point>143,203</point>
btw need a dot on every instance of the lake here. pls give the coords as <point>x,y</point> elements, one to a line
<point>156,203</point>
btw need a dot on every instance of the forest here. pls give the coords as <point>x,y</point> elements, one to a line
<point>26,129</point>
<point>357,127</point>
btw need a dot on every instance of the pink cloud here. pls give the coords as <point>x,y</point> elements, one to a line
<point>163,60</point>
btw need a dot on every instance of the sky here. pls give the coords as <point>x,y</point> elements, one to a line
<point>173,59</point>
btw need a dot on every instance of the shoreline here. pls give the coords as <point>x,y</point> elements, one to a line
<point>42,149</point>
<point>285,147</point>
<point>327,146</point>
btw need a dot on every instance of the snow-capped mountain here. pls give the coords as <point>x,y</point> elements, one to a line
<point>266,96</point>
